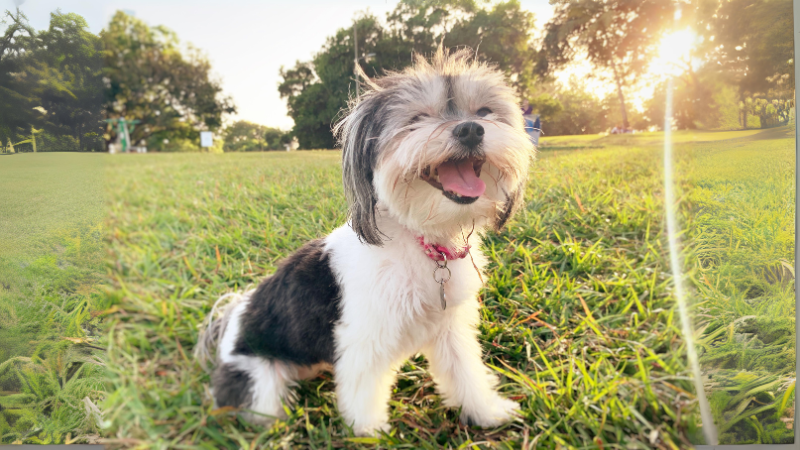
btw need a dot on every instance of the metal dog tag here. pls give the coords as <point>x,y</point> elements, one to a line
<point>442,280</point>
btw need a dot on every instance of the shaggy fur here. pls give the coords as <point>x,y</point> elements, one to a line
<point>363,299</point>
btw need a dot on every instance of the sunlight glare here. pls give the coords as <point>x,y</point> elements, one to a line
<point>674,52</point>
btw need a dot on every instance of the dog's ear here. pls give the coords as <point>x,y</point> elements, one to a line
<point>507,209</point>
<point>359,133</point>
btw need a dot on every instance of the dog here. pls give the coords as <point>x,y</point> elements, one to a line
<point>432,157</point>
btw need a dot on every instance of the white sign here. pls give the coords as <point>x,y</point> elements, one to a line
<point>206,139</point>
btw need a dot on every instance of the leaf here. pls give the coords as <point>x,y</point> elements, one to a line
<point>111,310</point>
<point>364,440</point>
<point>742,406</point>
<point>754,391</point>
<point>786,396</point>
<point>223,410</point>
<point>81,340</point>
<point>788,266</point>
<point>748,413</point>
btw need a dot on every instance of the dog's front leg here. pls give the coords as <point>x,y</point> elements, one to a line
<point>463,380</point>
<point>363,388</point>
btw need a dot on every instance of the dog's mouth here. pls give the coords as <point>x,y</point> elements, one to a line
<point>458,179</point>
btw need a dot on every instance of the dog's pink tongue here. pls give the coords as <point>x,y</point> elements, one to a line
<point>460,178</point>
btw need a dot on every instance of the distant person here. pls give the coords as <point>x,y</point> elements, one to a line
<point>536,131</point>
<point>527,109</point>
<point>532,128</point>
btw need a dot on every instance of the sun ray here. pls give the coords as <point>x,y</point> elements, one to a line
<point>675,53</point>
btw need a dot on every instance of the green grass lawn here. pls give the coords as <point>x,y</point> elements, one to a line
<point>739,199</point>
<point>738,209</point>
<point>644,138</point>
<point>578,317</point>
<point>51,242</point>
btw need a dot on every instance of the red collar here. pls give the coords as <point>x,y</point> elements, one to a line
<point>435,251</point>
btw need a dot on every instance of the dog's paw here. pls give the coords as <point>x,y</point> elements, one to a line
<point>491,414</point>
<point>371,430</point>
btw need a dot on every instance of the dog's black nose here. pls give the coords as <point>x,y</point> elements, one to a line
<point>470,134</point>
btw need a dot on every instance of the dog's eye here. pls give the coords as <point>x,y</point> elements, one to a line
<point>483,112</point>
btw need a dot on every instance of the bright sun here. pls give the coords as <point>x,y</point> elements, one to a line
<point>674,52</point>
<point>674,57</point>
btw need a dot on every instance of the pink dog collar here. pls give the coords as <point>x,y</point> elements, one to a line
<point>435,251</point>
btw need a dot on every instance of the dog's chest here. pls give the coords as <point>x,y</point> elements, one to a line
<point>415,296</point>
<point>390,292</point>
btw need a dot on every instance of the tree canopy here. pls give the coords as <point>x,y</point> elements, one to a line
<point>619,35</point>
<point>150,78</point>
<point>51,80</point>
<point>741,63</point>
<point>59,84</point>
<point>749,45</point>
<point>750,42</point>
<point>317,90</point>
<point>244,136</point>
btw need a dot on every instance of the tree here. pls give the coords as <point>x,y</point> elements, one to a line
<point>243,136</point>
<point>501,35</point>
<point>547,106</point>
<point>150,79</point>
<point>51,80</point>
<point>419,26</point>
<point>750,41</point>
<point>17,101</point>
<point>14,41</point>
<point>71,84</point>
<point>620,36</point>
<point>700,99</point>
<point>277,139</point>
<point>748,69</point>
<point>316,91</point>
<point>750,45</point>
<point>569,109</point>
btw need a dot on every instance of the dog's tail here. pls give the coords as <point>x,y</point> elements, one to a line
<point>213,328</point>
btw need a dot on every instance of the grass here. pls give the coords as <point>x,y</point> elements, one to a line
<point>740,204</point>
<point>51,242</point>
<point>644,138</point>
<point>738,208</point>
<point>578,319</point>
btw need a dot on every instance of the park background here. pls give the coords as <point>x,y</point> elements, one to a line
<point>139,247</point>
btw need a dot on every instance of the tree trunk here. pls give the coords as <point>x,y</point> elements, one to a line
<point>744,116</point>
<point>744,110</point>
<point>619,93</point>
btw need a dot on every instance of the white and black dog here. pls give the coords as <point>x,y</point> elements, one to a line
<point>432,156</point>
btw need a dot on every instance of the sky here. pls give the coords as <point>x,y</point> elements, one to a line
<point>276,33</point>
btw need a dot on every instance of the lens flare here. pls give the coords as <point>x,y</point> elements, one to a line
<point>674,53</point>
<point>709,429</point>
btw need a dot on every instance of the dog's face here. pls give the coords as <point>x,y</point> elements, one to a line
<point>437,147</point>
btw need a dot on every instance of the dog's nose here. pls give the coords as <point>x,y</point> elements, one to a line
<point>470,134</point>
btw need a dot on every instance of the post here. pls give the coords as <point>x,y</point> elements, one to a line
<point>355,59</point>
<point>126,136</point>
